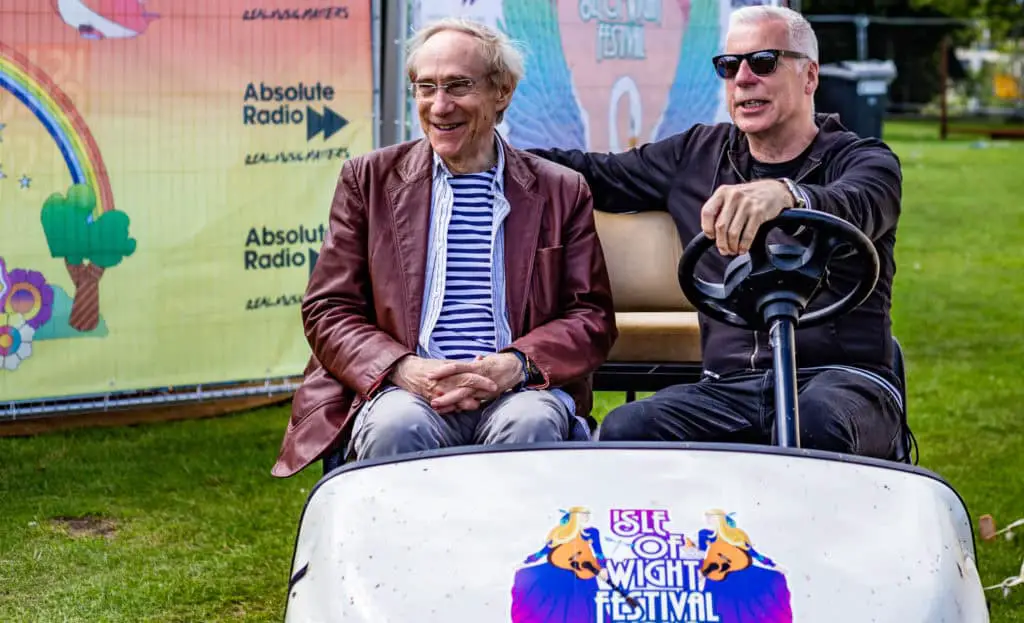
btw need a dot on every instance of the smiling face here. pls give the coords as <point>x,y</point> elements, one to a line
<point>768,104</point>
<point>460,121</point>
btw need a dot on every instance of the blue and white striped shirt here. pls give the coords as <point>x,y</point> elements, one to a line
<point>436,293</point>
<point>465,311</point>
<point>465,326</point>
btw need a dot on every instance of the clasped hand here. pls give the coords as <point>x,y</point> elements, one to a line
<point>734,213</point>
<point>452,386</point>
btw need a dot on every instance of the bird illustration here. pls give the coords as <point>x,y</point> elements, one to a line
<point>105,19</point>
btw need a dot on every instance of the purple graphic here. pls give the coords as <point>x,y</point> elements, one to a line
<point>558,583</point>
<point>579,576</point>
<point>4,282</point>
<point>28,294</point>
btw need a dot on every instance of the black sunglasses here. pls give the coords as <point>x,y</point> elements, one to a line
<point>762,62</point>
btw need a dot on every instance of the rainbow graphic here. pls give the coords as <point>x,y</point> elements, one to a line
<point>58,115</point>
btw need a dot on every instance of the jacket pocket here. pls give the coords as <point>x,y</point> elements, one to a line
<point>546,284</point>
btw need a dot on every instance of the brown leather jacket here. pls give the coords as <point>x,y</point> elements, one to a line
<point>361,311</point>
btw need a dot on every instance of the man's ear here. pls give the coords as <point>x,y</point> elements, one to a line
<point>812,78</point>
<point>504,97</point>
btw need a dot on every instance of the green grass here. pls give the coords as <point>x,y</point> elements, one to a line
<point>201,532</point>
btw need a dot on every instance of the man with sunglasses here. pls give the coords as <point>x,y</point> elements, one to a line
<point>726,180</point>
<point>462,296</point>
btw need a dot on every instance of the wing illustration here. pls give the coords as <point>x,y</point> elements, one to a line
<point>544,111</point>
<point>696,89</point>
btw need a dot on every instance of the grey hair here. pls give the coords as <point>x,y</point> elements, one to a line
<point>503,57</point>
<point>801,34</point>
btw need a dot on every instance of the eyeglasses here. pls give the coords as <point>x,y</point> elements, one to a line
<point>454,88</point>
<point>762,62</point>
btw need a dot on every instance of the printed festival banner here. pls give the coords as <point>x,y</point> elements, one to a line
<point>602,75</point>
<point>166,172</point>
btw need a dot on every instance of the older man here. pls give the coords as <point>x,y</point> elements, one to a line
<point>462,296</point>
<point>726,180</point>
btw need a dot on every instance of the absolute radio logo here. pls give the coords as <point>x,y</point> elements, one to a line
<point>274,249</point>
<point>304,106</point>
<point>291,105</point>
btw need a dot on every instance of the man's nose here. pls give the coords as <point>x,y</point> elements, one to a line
<point>442,103</point>
<point>744,75</point>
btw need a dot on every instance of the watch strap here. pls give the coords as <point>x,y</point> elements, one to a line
<point>798,196</point>
<point>531,373</point>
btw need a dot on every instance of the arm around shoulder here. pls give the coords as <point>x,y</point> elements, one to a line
<point>336,312</point>
<point>579,339</point>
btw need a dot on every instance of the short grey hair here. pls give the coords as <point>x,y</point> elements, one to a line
<point>801,34</point>
<point>503,57</point>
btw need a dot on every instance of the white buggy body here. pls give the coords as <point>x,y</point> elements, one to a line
<point>562,533</point>
<point>598,532</point>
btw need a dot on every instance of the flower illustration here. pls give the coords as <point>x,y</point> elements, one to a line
<point>15,341</point>
<point>3,283</point>
<point>30,296</point>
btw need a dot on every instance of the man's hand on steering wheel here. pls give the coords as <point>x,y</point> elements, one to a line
<point>771,280</point>
<point>733,214</point>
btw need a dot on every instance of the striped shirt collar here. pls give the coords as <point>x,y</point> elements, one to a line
<point>441,169</point>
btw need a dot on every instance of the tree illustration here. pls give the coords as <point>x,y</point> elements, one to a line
<point>89,247</point>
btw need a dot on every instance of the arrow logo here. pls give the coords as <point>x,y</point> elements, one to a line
<point>328,123</point>
<point>313,257</point>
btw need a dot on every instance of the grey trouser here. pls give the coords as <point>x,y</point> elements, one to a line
<point>396,422</point>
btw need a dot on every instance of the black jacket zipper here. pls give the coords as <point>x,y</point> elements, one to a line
<point>814,165</point>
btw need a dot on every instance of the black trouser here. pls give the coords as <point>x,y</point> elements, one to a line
<point>840,410</point>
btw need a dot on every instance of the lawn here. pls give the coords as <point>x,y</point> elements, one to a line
<point>184,523</point>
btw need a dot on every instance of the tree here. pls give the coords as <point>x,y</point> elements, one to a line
<point>89,247</point>
<point>1002,18</point>
<point>915,48</point>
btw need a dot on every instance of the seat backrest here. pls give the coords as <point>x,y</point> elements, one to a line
<point>642,251</point>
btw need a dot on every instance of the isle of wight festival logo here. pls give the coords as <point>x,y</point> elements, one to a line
<point>580,576</point>
<point>81,226</point>
<point>588,59</point>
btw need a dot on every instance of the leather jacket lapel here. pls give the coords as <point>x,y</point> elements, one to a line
<point>522,230</point>
<point>410,205</point>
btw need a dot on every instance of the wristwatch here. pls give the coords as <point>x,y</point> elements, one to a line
<point>798,197</point>
<point>531,373</point>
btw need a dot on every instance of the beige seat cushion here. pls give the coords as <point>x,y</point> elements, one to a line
<point>656,323</point>
<point>672,337</point>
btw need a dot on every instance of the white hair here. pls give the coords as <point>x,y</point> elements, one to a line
<point>501,54</point>
<point>801,35</point>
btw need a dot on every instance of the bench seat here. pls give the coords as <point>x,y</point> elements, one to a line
<point>659,334</point>
<point>672,336</point>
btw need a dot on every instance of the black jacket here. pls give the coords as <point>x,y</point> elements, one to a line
<point>857,179</point>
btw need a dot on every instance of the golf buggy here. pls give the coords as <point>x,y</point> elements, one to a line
<point>666,532</point>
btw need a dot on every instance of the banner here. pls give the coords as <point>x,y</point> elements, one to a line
<point>166,174</point>
<point>603,75</point>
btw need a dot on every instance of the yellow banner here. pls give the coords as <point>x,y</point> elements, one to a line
<point>166,171</point>
<point>1006,86</point>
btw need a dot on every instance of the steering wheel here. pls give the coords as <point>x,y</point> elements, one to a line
<point>781,273</point>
